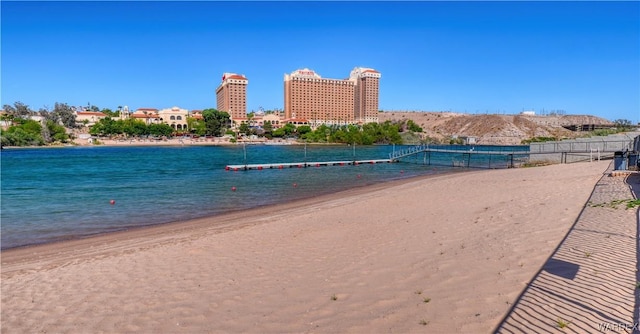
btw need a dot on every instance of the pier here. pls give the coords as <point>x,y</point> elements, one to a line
<point>305,164</point>
<point>480,156</point>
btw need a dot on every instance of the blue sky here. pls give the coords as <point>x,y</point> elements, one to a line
<point>474,57</point>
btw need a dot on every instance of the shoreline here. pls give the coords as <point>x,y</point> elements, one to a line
<point>441,253</point>
<point>226,219</point>
<point>174,142</point>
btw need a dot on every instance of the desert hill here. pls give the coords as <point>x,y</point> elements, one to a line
<point>492,129</point>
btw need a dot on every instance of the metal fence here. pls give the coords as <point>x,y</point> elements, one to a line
<point>582,149</point>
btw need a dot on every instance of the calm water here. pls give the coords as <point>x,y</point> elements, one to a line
<point>60,193</point>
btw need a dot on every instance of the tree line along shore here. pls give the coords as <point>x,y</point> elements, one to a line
<point>22,126</point>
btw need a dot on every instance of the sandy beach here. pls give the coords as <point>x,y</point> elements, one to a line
<point>441,254</point>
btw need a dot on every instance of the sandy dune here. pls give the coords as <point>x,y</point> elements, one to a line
<point>443,254</point>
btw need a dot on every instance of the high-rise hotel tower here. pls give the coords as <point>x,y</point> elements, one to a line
<point>332,101</point>
<point>231,95</point>
<point>366,94</point>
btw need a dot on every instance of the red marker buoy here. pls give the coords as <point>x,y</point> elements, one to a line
<point>112,202</point>
<point>233,188</point>
<point>359,176</point>
<point>295,185</point>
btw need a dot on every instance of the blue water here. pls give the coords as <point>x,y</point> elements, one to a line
<point>50,194</point>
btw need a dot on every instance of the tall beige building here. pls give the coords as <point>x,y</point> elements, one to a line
<point>332,101</point>
<point>231,95</point>
<point>366,94</point>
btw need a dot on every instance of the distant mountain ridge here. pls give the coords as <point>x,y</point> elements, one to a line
<point>493,128</point>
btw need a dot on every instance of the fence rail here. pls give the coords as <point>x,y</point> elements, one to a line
<point>581,146</point>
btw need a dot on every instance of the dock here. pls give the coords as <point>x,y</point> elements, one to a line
<point>305,164</point>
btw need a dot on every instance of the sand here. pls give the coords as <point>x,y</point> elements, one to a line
<point>589,285</point>
<point>450,253</point>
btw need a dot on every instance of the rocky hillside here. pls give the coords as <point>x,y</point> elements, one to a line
<point>492,129</point>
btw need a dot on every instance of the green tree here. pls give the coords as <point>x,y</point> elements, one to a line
<point>268,129</point>
<point>160,129</point>
<point>251,119</point>
<point>244,128</point>
<point>216,122</point>
<point>63,113</point>
<point>26,133</point>
<point>412,126</point>
<point>134,127</point>
<point>107,127</point>
<point>303,129</point>
<point>196,126</point>
<point>110,112</point>
<point>383,133</point>
<point>18,110</point>
<point>57,132</point>
<point>284,131</point>
<point>622,124</point>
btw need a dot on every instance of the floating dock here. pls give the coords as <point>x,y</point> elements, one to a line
<point>305,164</point>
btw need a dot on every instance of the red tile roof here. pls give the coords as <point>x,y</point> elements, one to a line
<point>144,116</point>
<point>236,77</point>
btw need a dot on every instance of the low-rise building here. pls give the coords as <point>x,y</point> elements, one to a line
<point>147,115</point>
<point>89,118</point>
<point>175,117</point>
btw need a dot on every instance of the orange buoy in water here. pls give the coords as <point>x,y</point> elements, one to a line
<point>112,202</point>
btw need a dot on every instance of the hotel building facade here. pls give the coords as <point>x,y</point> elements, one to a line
<point>231,95</point>
<point>308,96</point>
